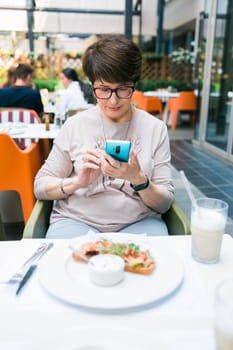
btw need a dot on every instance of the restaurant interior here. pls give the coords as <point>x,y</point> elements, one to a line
<point>51,300</point>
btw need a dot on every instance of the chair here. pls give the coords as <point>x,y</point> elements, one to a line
<point>18,169</point>
<point>153,105</point>
<point>38,223</point>
<point>2,231</point>
<point>185,102</point>
<point>176,220</point>
<point>150,104</point>
<point>20,115</point>
<point>12,221</point>
<point>138,99</point>
<point>72,112</point>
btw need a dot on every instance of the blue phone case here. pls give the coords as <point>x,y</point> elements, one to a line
<point>118,149</point>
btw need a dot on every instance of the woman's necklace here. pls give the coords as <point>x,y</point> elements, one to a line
<point>121,138</point>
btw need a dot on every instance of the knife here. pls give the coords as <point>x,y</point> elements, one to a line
<point>30,271</point>
<point>26,277</point>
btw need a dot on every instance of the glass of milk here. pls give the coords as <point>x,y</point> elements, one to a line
<point>208,222</point>
<point>224,315</point>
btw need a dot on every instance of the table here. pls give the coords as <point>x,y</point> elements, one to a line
<point>37,320</point>
<point>164,95</point>
<point>19,130</point>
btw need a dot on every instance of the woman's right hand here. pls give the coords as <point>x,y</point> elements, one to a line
<point>88,172</point>
<point>90,168</point>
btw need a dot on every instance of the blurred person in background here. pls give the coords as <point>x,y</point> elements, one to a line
<point>72,97</point>
<point>21,94</point>
<point>11,77</point>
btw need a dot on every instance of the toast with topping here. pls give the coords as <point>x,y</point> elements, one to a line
<point>136,260</point>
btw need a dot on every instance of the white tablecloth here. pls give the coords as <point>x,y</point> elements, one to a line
<point>184,320</point>
<point>32,131</point>
<point>164,95</point>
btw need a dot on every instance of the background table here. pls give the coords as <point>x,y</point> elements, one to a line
<point>164,96</point>
<point>32,131</point>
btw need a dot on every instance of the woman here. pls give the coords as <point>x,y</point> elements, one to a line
<point>72,97</point>
<point>11,77</point>
<point>92,189</point>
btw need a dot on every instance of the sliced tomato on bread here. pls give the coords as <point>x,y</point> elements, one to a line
<point>136,260</point>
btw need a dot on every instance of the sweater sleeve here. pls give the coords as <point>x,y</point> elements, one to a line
<point>161,171</point>
<point>57,165</point>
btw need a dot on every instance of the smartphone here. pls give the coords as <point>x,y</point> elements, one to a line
<point>118,149</point>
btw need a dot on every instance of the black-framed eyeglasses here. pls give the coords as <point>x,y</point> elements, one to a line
<point>104,92</point>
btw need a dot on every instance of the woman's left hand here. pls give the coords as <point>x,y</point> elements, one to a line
<point>130,171</point>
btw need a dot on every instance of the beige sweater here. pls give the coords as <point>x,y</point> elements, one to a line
<point>107,204</point>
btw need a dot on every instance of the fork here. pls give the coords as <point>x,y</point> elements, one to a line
<point>36,255</point>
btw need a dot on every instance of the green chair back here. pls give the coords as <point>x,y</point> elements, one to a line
<point>38,223</point>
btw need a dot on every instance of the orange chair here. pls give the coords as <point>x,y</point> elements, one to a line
<point>185,102</point>
<point>138,98</point>
<point>150,104</point>
<point>18,170</point>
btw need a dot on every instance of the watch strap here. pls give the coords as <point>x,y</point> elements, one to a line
<point>141,186</point>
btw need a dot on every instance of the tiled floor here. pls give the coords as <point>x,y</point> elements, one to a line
<point>209,175</point>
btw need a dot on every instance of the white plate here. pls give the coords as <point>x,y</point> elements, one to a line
<point>68,280</point>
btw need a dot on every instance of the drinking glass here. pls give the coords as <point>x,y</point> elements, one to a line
<point>208,222</point>
<point>224,315</point>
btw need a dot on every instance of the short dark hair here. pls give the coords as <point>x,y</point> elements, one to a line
<point>22,71</point>
<point>113,58</point>
<point>70,74</point>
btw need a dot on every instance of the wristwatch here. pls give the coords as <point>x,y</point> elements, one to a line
<point>141,186</point>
